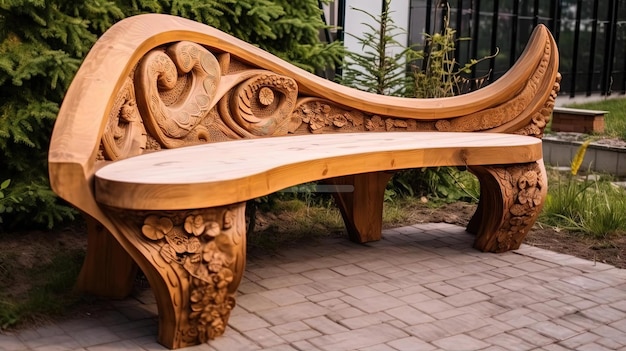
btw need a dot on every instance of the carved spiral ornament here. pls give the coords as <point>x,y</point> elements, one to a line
<point>261,105</point>
<point>176,90</point>
<point>124,135</point>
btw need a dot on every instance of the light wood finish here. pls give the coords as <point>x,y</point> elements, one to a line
<point>362,208</point>
<point>155,82</point>
<point>235,171</point>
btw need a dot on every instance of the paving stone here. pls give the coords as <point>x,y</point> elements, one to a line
<point>492,328</point>
<point>284,281</point>
<point>231,341</point>
<point>280,348</point>
<point>532,336</point>
<point>283,297</point>
<point>361,292</point>
<point>621,325</point>
<point>611,333</point>
<point>581,320</point>
<point>115,346</point>
<point>427,332</point>
<point>359,338</point>
<point>255,302</point>
<point>610,294</point>
<point>249,287</point>
<point>465,298</point>
<point>304,345</point>
<point>321,274</point>
<point>247,322</point>
<point>11,343</point>
<point>509,342</point>
<point>409,315</point>
<point>485,309</point>
<point>349,269</point>
<point>324,325</point>
<point>374,304</point>
<point>264,337</point>
<point>579,340</point>
<point>554,347</point>
<point>460,342</point>
<point>604,314</point>
<point>410,344</point>
<point>379,347</point>
<point>61,342</point>
<point>366,320</point>
<point>301,335</point>
<point>344,313</point>
<point>461,324</point>
<point>443,288</point>
<point>424,290</point>
<point>296,267</point>
<point>432,306</point>
<point>592,347</point>
<point>609,343</point>
<point>291,313</point>
<point>383,287</point>
<point>553,330</point>
<point>513,299</point>
<point>586,283</point>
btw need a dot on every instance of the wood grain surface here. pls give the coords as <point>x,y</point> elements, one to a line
<point>229,172</point>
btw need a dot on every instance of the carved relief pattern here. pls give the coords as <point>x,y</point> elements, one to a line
<point>181,93</point>
<point>523,186</point>
<point>541,118</point>
<point>260,106</point>
<point>124,134</point>
<point>321,115</point>
<point>207,252</point>
<point>175,90</point>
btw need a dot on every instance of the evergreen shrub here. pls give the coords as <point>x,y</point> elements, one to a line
<point>42,44</point>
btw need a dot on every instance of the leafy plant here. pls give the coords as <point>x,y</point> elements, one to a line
<point>439,74</point>
<point>589,205</point>
<point>372,70</point>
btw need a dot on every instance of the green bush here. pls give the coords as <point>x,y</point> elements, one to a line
<point>42,44</point>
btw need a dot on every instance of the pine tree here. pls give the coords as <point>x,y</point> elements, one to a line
<point>43,42</point>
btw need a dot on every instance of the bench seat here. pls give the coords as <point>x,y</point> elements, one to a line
<point>237,171</point>
<point>170,126</point>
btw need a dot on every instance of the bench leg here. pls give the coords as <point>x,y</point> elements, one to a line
<point>108,270</point>
<point>361,204</point>
<point>511,198</point>
<point>194,261</point>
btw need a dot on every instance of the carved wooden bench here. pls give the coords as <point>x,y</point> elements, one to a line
<point>155,82</point>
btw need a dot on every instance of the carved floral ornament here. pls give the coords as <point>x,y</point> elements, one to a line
<point>206,252</point>
<point>526,181</point>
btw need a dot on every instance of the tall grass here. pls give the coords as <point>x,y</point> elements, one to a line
<point>592,207</point>
<point>615,121</point>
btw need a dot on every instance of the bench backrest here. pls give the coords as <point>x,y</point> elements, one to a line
<point>157,81</point>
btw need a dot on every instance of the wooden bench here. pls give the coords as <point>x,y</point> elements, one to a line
<point>565,119</point>
<point>241,123</point>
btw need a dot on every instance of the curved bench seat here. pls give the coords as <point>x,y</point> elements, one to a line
<point>241,123</point>
<point>224,173</point>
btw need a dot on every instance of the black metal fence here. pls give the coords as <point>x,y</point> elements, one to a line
<point>591,36</point>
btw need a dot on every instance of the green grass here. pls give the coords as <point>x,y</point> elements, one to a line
<point>49,292</point>
<point>596,208</point>
<point>615,121</point>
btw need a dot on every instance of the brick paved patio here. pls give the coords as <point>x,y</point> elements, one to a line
<point>421,288</point>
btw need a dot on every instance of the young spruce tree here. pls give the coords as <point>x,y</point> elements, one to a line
<point>42,44</point>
